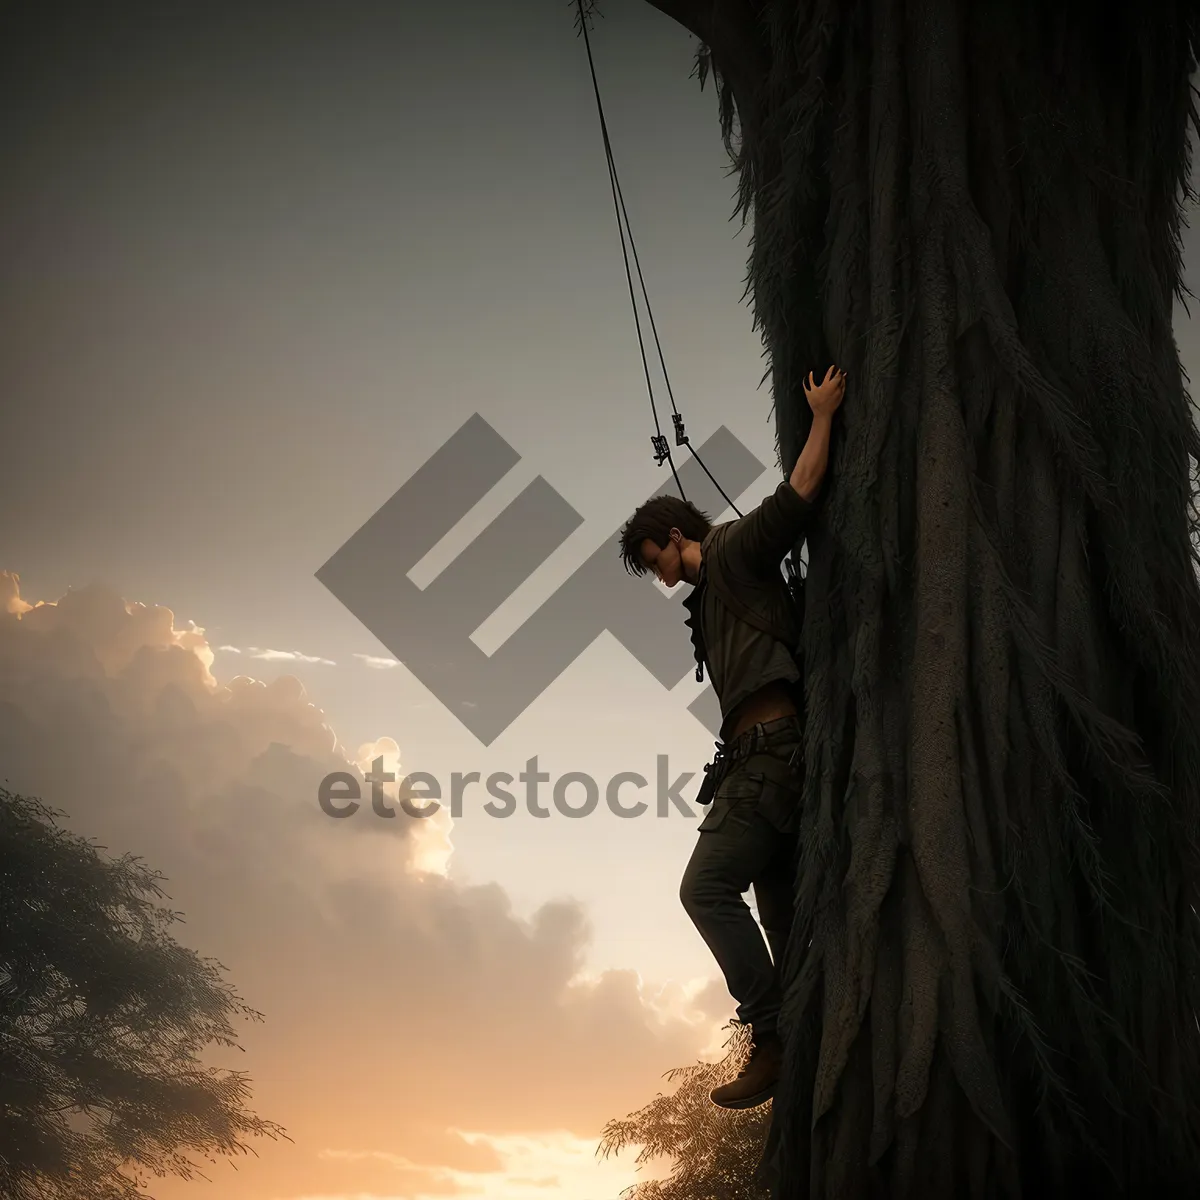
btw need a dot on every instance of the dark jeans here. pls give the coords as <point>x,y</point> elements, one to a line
<point>748,839</point>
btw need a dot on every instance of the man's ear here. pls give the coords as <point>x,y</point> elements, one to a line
<point>675,536</point>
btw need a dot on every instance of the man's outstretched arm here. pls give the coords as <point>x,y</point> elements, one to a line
<point>809,471</point>
<point>759,540</point>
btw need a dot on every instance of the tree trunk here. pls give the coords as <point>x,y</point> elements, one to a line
<point>973,206</point>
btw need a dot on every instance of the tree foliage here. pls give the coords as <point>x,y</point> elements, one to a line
<point>103,1017</point>
<point>715,1151</point>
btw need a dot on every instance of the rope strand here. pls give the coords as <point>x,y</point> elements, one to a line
<point>681,438</point>
<point>661,449</point>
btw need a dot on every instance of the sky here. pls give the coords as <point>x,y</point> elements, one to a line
<point>261,263</point>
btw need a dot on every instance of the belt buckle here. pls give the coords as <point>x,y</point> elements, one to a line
<point>745,744</point>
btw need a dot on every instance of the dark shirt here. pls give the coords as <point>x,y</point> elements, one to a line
<point>740,658</point>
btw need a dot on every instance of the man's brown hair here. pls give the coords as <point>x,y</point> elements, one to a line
<point>655,520</point>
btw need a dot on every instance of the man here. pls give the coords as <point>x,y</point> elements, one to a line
<point>744,632</point>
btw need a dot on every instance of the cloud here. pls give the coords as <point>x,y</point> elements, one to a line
<point>10,593</point>
<point>519,1168</point>
<point>277,655</point>
<point>378,663</point>
<point>287,656</point>
<point>430,836</point>
<point>401,1006</point>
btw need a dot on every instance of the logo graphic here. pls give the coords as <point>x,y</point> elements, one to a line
<point>429,629</point>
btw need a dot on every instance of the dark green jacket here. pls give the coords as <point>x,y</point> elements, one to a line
<point>740,611</point>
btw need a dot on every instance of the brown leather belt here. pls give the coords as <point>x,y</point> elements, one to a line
<point>765,734</point>
<point>754,747</point>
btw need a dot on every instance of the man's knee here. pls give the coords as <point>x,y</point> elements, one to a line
<point>702,889</point>
<point>691,892</point>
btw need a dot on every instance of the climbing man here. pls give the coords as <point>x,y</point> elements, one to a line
<point>744,631</point>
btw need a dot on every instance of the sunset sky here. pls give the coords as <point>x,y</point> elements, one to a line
<point>261,261</point>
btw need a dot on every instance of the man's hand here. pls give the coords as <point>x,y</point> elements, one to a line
<point>824,397</point>
<point>762,537</point>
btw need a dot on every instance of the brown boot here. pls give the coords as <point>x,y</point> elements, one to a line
<point>755,1082</point>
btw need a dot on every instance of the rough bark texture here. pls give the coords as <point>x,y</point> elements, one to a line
<point>974,209</point>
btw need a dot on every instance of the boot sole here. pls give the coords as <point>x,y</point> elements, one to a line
<point>748,1102</point>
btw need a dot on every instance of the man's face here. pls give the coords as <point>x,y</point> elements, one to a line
<point>665,562</point>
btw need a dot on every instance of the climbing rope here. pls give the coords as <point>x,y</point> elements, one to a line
<point>662,451</point>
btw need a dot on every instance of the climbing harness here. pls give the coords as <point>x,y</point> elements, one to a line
<point>662,451</point>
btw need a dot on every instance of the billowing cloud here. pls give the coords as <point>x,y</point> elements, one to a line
<point>430,837</point>
<point>420,1039</point>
